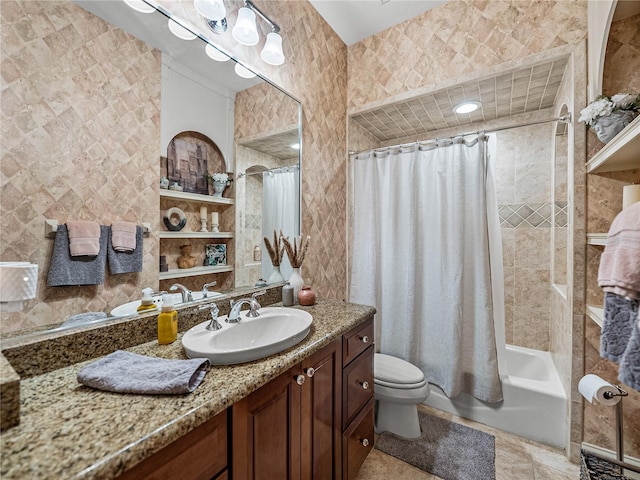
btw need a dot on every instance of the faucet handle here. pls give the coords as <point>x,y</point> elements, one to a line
<point>205,288</point>
<point>254,306</point>
<point>214,310</point>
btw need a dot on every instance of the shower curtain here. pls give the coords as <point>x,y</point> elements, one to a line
<point>424,219</point>
<point>280,211</point>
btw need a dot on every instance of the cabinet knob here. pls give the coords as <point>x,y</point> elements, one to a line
<point>364,442</point>
<point>365,339</point>
<point>300,379</point>
<point>364,385</point>
<point>310,372</point>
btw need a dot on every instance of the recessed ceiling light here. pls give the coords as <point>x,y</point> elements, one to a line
<point>467,107</point>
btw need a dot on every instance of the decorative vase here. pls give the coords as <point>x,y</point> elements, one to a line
<point>218,188</point>
<point>296,281</point>
<point>608,127</point>
<point>276,275</point>
<point>306,296</point>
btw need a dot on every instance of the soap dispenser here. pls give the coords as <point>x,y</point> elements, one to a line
<point>146,303</point>
<point>167,322</point>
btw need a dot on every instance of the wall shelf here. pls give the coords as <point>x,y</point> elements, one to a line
<point>596,314</point>
<point>195,197</point>
<point>167,234</point>
<point>621,153</point>
<point>596,239</point>
<point>194,272</point>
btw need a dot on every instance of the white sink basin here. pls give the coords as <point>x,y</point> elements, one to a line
<point>131,308</point>
<point>275,330</point>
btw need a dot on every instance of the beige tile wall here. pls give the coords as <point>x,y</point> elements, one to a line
<point>80,125</point>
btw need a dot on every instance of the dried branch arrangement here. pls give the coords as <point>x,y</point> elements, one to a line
<point>276,251</point>
<point>298,251</point>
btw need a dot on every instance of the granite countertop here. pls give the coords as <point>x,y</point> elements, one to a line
<point>68,430</point>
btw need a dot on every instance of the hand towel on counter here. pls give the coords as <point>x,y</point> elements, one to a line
<point>125,262</point>
<point>123,236</point>
<point>127,372</point>
<point>84,238</point>
<point>619,270</point>
<point>619,318</point>
<point>66,270</point>
<point>630,364</point>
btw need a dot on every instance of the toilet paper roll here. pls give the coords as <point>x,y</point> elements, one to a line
<point>592,387</point>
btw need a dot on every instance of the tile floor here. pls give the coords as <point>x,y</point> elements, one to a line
<point>516,459</point>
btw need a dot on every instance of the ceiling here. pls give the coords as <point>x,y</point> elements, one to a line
<point>354,20</point>
<point>502,95</point>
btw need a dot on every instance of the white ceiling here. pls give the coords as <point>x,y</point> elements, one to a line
<point>354,20</point>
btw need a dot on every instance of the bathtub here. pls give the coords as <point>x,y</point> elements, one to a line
<point>534,403</point>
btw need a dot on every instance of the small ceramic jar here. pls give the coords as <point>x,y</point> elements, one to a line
<point>306,296</point>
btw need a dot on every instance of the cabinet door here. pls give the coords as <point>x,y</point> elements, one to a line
<point>266,431</point>
<point>321,411</point>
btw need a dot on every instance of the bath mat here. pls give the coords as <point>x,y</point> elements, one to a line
<point>446,449</point>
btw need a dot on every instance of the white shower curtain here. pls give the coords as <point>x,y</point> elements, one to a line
<point>421,256</point>
<point>280,211</point>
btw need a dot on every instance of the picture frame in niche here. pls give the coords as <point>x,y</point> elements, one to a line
<point>216,254</point>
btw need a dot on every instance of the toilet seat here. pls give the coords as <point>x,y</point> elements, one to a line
<point>393,372</point>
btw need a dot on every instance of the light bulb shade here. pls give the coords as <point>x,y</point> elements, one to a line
<point>245,30</point>
<point>211,9</point>
<point>215,54</point>
<point>140,6</point>
<point>179,31</point>
<point>272,51</point>
<point>243,72</point>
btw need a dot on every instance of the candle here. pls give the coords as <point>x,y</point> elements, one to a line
<point>630,195</point>
<point>203,213</point>
<point>214,218</point>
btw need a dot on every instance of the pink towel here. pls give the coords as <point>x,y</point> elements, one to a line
<point>123,236</point>
<point>619,270</point>
<point>84,238</point>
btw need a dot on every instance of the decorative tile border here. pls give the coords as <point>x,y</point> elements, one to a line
<point>532,215</point>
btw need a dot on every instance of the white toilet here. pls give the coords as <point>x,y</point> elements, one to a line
<point>399,387</point>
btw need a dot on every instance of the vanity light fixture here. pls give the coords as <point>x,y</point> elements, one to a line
<point>215,54</point>
<point>211,9</point>
<point>245,30</point>
<point>140,6</point>
<point>243,71</point>
<point>180,31</point>
<point>467,107</point>
<point>272,51</point>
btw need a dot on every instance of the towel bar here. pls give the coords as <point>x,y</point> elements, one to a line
<point>51,226</point>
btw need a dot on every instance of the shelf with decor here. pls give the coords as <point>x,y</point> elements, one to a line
<point>221,235</point>
<point>195,197</point>
<point>194,271</point>
<point>621,153</point>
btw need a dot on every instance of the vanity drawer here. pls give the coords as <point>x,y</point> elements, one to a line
<point>356,341</point>
<point>357,385</point>
<point>357,442</point>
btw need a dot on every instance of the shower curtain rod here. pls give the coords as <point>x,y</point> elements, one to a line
<point>566,118</point>
<point>243,174</point>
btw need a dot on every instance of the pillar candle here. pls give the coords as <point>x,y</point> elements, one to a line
<point>214,218</point>
<point>630,195</point>
<point>203,213</point>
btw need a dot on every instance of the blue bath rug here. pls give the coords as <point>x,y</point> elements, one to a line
<point>446,449</point>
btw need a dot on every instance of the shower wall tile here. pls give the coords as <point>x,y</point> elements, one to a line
<point>533,181</point>
<point>80,98</point>
<point>533,248</point>
<point>532,310</point>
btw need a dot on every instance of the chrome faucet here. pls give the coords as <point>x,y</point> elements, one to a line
<point>184,291</point>
<point>254,306</point>
<point>205,288</point>
<point>214,310</point>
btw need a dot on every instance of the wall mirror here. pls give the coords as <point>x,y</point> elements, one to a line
<point>254,123</point>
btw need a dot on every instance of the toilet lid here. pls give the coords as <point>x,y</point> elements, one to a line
<point>395,372</point>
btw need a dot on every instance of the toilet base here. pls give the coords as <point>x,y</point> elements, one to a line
<point>401,420</point>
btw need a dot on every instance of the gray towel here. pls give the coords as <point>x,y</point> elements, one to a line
<point>619,317</point>
<point>127,372</point>
<point>630,364</point>
<point>66,270</point>
<point>125,262</point>
<point>82,318</point>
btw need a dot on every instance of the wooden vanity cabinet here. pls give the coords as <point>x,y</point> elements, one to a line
<point>199,455</point>
<point>290,428</point>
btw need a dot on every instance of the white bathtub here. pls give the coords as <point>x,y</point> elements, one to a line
<point>534,403</point>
